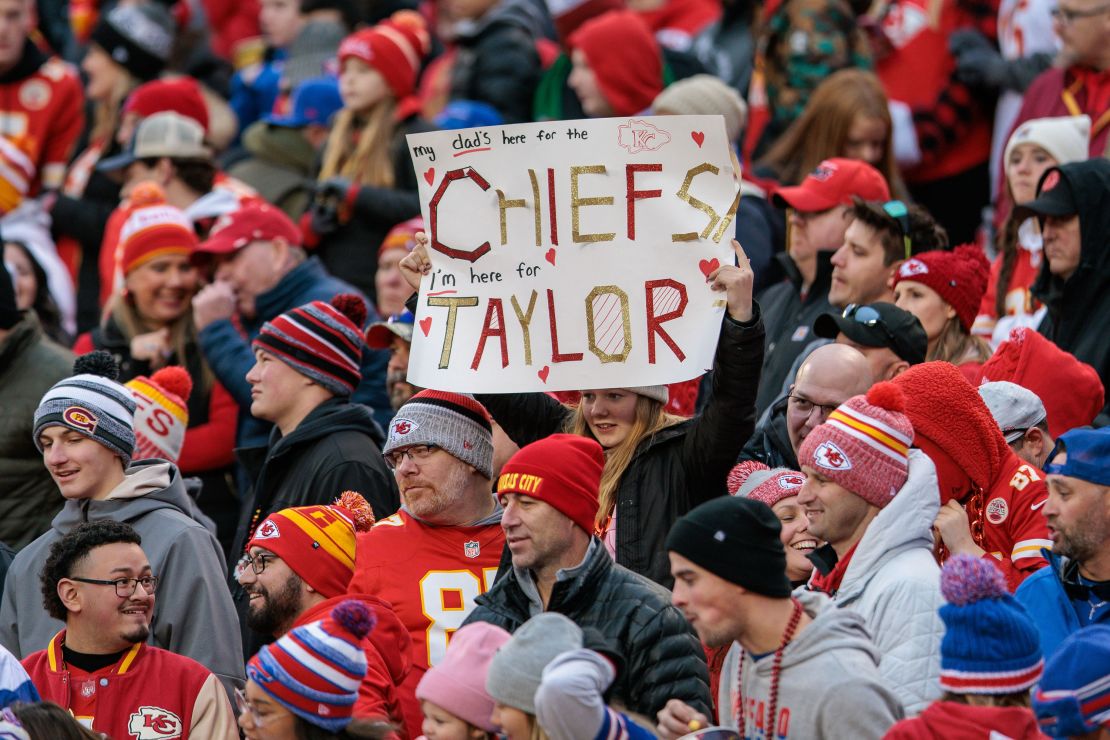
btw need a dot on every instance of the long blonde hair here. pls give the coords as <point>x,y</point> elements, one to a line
<point>651,417</point>
<point>122,310</point>
<point>360,150</point>
<point>957,346</point>
<point>106,113</point>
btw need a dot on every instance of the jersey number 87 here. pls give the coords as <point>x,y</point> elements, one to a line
<point>446,598</point>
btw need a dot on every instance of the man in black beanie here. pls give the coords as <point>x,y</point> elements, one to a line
<point>795,665</point>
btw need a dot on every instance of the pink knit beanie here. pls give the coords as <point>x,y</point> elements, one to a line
<point>864,445</point>
<point>755,480</point>
<point>458,683</point>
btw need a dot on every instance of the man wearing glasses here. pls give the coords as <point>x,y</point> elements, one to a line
<point>99,582</point>
<point>441,550</point>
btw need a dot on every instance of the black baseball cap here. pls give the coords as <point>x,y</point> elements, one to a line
<point>877,325</point>
<point>1054,198</point>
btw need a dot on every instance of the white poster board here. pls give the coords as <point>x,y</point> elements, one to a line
<point>572,254</point>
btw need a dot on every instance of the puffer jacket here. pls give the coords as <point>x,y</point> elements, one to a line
<point>29,365</point>
<point>681,466</point>
<point>662,657</point>
<point>894,583</point>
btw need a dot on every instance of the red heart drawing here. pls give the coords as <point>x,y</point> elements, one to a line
<point>430,175</point>
<point>544,373</point>
<point>708,266</point>
<point>697,136</point>
<point>550,256</point>
<point>426,325</point>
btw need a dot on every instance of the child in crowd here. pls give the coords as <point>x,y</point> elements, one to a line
<point>453,694</point>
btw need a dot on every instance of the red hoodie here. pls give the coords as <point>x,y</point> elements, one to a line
<point>388,650</point>
<point>949,720</point>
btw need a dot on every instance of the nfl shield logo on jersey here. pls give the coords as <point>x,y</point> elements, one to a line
<point>471,549</point>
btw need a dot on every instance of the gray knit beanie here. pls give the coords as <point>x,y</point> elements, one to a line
<point>658,393</point>
<point>92,403</point>
<point>517,667</point>
<point>704,95</point>
<point>455,422</point>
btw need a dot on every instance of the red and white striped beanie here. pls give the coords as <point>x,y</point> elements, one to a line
<point>864,445</point>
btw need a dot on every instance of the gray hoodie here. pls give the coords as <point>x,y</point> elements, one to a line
<point>829,685</point>
<point>193,613</point>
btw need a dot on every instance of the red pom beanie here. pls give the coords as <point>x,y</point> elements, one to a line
<point>153,229</point>
<point>563,470</point>
<point>625,58</point>
<point>959,276</point>
<point>864,445</point>
<point>180,95</point>
<point>395,47</point>
<point>1071,390</point>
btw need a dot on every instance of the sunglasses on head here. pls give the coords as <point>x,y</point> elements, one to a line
<point>868,316</point>
<point>897,210</point>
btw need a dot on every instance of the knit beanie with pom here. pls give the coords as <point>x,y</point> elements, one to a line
<point>864,445</point>
<point>959,277</point>
<point>153,229</point>
<point>91,403</point>
<point>754,480</point>
<point>322,341</point>
<point>990,645</point>
<point>395,47</point>
<point>161,413</point>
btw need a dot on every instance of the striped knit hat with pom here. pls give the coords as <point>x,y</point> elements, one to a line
<point>455,422</point>
<point>92,403</point>
<point>161,413</point>
<point>153,229</point>
<point>754,480</point>
<point>864,445</point>
<point>318,542</point>
<point>322,341</point>
<point>990,645</point>
<point>315,670</point>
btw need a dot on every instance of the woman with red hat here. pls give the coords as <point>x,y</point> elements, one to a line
<point>367,183</point>
<point>943,290</point>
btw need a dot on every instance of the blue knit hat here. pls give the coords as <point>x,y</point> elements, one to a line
<point>990,645</point>
<point>1073,697</point>
<point>93,404</point>
<point>1088,455</point>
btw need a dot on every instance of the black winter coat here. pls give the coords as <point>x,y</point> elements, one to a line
<point>496,60</point>
<point>661,655</point>
<point>680,467</point>
<point>770,444</point>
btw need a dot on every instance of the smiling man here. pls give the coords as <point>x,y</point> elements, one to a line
<point>99,582</point>
<point>873,500</point>
<point>1075,590</point>
<point>549,491</point>
<point>84,427</point>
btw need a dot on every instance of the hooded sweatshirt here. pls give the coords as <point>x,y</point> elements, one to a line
<point>1072,303</point>
<point>893,582</point>
<point>829,684</point>
<point>949,720</point>
<point>193,614</point>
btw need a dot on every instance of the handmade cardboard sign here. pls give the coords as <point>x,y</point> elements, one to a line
<point>572,254</point>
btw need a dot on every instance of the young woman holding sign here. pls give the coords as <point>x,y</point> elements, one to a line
<point>658,466</point>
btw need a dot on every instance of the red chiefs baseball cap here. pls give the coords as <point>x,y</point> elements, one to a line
<point>254,222</point>
<point>833,183</point>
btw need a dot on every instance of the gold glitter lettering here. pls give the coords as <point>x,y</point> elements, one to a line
<point>684,194</point>
<point>591,318</point>
<point>577,203</point>
<point>525,319</point>
<point>504,204</point>
<point>453,303</point>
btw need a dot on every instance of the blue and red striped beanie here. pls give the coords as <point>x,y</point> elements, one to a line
<point>315,670</point>
<point>322,341</point>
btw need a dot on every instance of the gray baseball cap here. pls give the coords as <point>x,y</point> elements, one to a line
<point>165,134</point>
<point>1013,407</point>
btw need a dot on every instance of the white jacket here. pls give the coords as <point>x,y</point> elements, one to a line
<point>893,581</point>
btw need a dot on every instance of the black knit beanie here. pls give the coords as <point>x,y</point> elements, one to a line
<point>736,539</point>
<point>138,37</point>
<point>9,313</point>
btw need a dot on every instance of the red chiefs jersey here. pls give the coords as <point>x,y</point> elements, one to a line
<point>431,576</point>
<point>41,116</point>
<point>1014,528</point>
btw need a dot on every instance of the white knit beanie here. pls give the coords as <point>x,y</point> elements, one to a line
<point>1066,138</point>
<point>704,95</point>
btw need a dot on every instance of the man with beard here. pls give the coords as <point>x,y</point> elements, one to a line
<point>796,664</point>
<point>395,335</point>
<point>1074,591</point>
<point>441,550</point>
<point>98,580</point>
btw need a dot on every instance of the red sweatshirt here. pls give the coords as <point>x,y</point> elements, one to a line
<point>949,720</point>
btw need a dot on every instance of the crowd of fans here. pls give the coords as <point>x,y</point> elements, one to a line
<point>224,509</point>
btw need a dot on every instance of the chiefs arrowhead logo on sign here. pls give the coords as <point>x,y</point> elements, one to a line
<point>789,482</point>
<point>471,549</point>
<point>154,723</point>
<point>831,457</point>
<point>267,531</point>
<point>913,267</point>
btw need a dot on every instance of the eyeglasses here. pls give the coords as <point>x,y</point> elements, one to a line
<point>868,316</point>
<point>805,406</point>
<point>125,587</point>
<point>416,453</point>
<point>257,563</point>
<point>243,706</point>
<point>897,210</point>
<point>1068,16</point>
